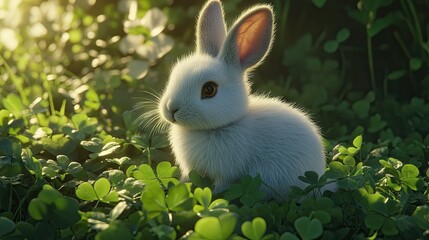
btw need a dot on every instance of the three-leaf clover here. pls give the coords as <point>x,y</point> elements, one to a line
<point>165,173</point>
<point>100,191</point>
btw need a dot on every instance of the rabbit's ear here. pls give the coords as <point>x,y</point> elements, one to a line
<point>249,39</point>
<point>211,28</point>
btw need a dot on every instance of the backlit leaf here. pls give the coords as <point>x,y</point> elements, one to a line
<point>255,229</point>
<point>155,21</point>
<point>85,191</point>
<point>308,228</point>
<point>102,187</point>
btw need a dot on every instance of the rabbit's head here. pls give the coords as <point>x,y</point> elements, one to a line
<point>209,89</point>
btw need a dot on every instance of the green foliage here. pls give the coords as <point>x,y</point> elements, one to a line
<point>308,228</point>
<point>215,227</point>
<point>52,211</point>
<point>255,229</point>
<point>247,191</point>
<point>165,173</point>
<point>100,191</point>
<point>75,163</point>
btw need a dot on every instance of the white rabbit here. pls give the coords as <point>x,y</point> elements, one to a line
<point>221,130</point>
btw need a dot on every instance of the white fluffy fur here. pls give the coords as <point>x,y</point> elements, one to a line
<point>236,133</point>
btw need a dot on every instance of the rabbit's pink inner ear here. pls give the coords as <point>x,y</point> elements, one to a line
<point>251,33</point>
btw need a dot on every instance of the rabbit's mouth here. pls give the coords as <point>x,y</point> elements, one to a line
<point>178,117</point>
<point>181,117</point>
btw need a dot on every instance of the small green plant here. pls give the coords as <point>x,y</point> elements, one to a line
<point>254,229</point>
<point>100,191</point>
<point>53,211</point>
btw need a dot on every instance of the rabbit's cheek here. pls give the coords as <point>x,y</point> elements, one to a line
<point>185,118</point>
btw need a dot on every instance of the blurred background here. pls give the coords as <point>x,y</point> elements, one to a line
<point>359,67</point>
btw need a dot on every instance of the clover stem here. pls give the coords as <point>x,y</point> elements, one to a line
<point>417,26</point>
<point>274,191</point>
<point>149,158</point>
<point>10,196</point>
<point>371,61</point>
<point>15,81</point>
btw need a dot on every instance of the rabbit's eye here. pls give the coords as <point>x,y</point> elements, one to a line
<point>209,90</point>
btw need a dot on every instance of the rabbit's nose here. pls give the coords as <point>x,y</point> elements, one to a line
<point>172,110</point>
<point>172,114</point>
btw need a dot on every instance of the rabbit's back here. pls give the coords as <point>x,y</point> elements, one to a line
<point>287,143</point>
